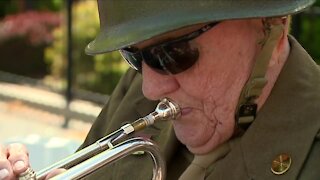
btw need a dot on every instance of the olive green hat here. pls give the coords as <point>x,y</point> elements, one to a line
<point>126,22</point>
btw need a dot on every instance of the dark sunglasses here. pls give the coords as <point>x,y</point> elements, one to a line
<point>171,57</point>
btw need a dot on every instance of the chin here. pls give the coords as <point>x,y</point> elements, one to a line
<point>197,151</point>
<point>213,143</point>
<point>199,144</point>
<point>203,149</point>
<point>192,138</point>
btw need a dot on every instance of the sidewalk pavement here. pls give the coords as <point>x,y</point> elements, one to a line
<point>41,130</point>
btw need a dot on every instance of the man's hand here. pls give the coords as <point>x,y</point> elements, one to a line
<point>14,160</point>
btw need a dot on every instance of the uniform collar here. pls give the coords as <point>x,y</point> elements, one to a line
<point>287,117</point>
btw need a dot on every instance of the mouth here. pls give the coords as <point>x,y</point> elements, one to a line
<point>185,111</point>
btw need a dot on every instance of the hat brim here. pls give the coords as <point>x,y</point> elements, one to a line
<point>139,26</point>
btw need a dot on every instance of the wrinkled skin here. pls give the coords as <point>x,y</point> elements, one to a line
<point>208,92</point>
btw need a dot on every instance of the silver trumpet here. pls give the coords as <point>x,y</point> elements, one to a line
<point>112,148</point>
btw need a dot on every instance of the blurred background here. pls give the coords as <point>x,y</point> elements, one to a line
<point>50,91</point>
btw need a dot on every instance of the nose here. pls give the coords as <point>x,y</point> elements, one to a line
<point>156,86</point>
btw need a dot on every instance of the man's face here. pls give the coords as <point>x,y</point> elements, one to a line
<point>208,92</point>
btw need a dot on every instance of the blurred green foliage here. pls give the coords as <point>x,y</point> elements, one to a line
<point>13,6</point>
<point>96,73</point>
<point>309,35</point>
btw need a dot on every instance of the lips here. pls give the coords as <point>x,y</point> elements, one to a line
<point>185,111</point>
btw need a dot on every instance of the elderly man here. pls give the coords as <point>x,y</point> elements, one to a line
<point>248,92</point>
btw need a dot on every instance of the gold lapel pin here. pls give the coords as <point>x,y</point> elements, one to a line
<point>281,164</point>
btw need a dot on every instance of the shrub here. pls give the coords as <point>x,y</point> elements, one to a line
<point>35,26</point>
<point>23,37</point>
<point>96,73</point>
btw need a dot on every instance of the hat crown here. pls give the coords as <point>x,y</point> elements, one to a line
<point>126,22</point>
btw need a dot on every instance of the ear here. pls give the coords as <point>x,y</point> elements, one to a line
<point>284,38</point>
<point>282,48</point>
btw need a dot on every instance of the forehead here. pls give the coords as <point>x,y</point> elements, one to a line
<point>168,36</point>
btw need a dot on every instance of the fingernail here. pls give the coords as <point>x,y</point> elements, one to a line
<point>19,165</point>
<point>4,173</point>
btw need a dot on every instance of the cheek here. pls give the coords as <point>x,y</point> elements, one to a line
<point>226,56</point>
<point>226,59</point>
<point>213,74</point>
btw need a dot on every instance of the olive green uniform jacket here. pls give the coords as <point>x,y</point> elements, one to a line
<point>289,122</point>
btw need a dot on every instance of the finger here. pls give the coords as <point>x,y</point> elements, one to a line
<point>5,166</point>
<point>55,172</point>
<point>18,157</point>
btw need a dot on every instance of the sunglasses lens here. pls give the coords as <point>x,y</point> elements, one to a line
<point>181,56</point>
<point>172,58</point>
<point>133,59</point>
<point>154,58</point>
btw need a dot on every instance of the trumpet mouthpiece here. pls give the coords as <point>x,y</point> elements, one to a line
<point>167,109</point>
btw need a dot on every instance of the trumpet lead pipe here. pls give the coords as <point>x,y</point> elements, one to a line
<point>165,110</point>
